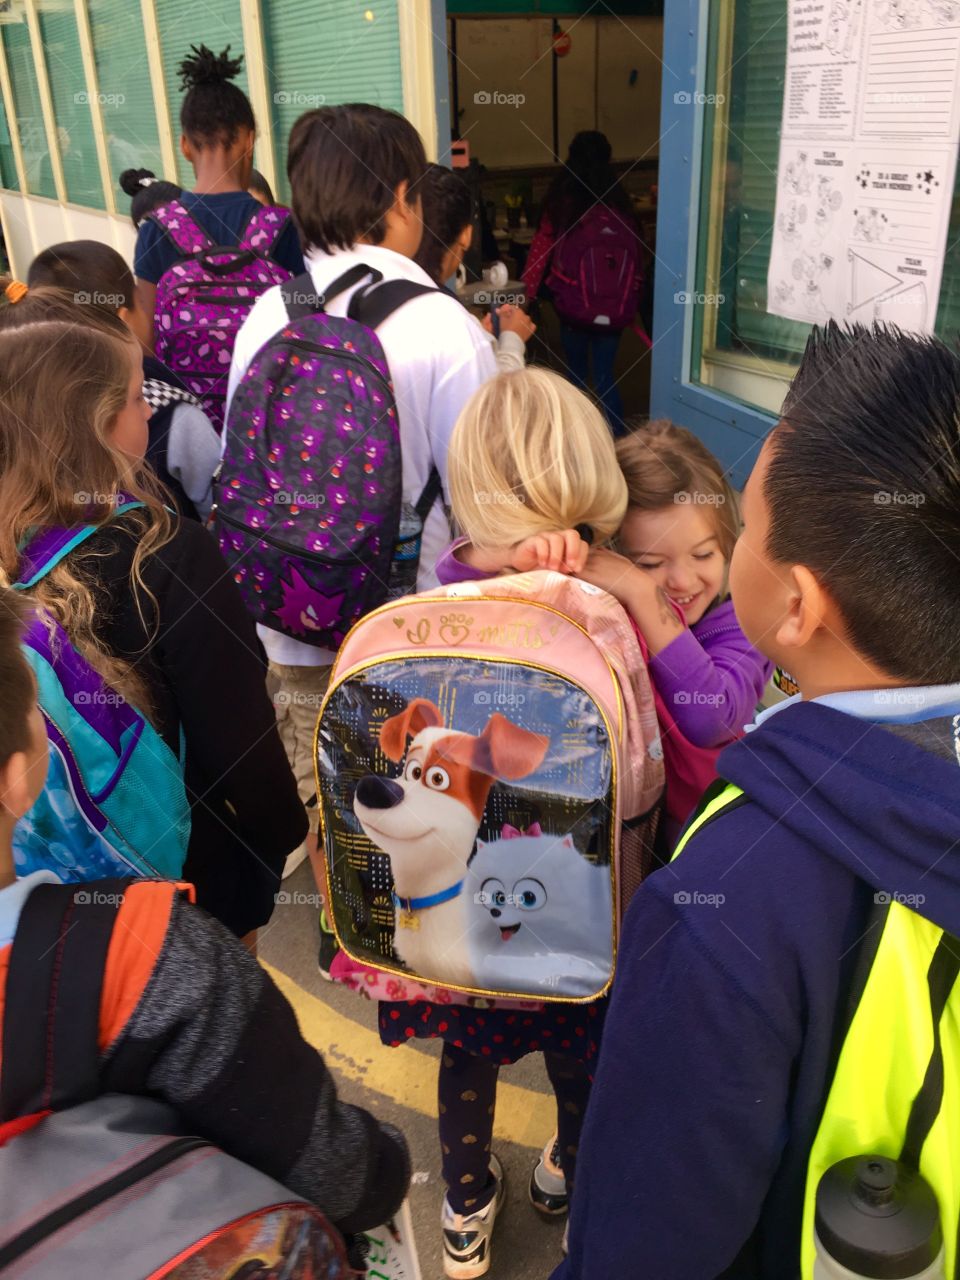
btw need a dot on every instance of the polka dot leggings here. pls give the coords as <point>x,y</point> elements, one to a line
<point>467,1095</point>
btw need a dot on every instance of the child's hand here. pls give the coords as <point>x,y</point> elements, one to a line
<point>564,552</point>
<point>512,320</point>
<point>614,574</point>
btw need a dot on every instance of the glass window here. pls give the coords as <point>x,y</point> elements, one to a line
<point>26,98</point>
<point>71,107</point>
<point>321,52</point>
<point>8,168</point>
<point>216,24</point>
<point>126,93</point>
<point>739,348</point>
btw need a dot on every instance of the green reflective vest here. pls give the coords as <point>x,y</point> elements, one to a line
<point>896,1088</point>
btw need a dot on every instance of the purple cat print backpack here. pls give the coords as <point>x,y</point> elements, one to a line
<point>204,298</point>
<point>309,509</point>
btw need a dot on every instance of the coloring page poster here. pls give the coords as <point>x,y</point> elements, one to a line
<point>393,1251</point>
<point>868,153</point>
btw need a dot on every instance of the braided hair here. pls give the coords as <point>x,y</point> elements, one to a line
<point>214,110</point>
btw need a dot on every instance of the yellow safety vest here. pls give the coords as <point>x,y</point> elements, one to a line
<point>896,1088</point>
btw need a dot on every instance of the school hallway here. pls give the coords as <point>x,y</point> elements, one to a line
<point>400,1086</point>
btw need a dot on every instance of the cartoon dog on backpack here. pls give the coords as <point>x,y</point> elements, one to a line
<point>427,822</point>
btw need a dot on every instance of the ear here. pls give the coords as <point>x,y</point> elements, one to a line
<point>567,842</point>
<point>16,795</point>
<point>465,238</point>
<point>503,750</point>
<point>807,605</point>
<point>186,150</point>
<point>419,714</point>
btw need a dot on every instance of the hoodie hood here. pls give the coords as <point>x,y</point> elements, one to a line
<point>882,799</point>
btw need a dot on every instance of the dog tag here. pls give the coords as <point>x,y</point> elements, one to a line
<point>409,920</point>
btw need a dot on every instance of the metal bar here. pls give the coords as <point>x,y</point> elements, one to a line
<point>151,32</point>
<point>46,101</point>
<point>258,80</point>
<point>89,60</point>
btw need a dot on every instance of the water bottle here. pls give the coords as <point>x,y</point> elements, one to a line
<point>406,554</point>
<point>877,1219</point>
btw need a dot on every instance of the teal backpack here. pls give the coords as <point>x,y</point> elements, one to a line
<point>114,802</point>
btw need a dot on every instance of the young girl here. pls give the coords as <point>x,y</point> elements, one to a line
<point>447,213</point>
<point>147,599</point>
<point>219,131</point>
<point>529,455</point>
<point>670,575</point>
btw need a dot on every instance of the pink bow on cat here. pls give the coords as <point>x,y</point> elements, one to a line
<point>514,833</point>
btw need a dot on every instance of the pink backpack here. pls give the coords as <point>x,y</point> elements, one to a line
<point>490,778</point>
<point>205,296</point>
<point>595,273</point>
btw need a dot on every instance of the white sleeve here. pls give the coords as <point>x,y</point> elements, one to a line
<point>463,360</point>
<point>511,353</point>
<point>193,451</point>
<point>266,317</point>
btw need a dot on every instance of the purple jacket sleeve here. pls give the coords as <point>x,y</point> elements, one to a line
<point>711,678</point>
<point>450,570</point>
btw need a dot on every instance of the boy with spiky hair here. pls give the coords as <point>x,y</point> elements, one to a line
<point>786,992</point>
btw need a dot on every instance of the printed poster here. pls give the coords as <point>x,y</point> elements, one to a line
<point>393,1250</point>
<point>868,153</point>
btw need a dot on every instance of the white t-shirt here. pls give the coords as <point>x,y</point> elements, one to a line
<point>438,356</point>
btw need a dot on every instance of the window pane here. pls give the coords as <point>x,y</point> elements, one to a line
<point>328,51</point>
<point>68,88</point>
<point>8,170</point>
<point>126,94</point>
<point>33,139</point>
<point>215,23</point>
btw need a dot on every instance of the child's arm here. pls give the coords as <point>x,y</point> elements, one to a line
<point>710,686</point>
<point>212,1035</point>
<point>563,552</point>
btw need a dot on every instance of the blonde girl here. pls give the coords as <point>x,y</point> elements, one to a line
<point>147,599</point>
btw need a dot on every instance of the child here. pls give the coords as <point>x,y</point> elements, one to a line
<point>174,980</point>
<point>147,599</point>
<point>447,234</point>
<point>219,132</point>
<point>355,173</point>
<point>675,546</point>
<point>780,985</point>
<point>184,448</point>
<point>529,455</point>
<point>147,192</point>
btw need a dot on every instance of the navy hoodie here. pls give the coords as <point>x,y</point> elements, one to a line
<point>733,986</point>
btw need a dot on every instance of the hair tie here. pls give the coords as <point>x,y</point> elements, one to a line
<point>14,291</point>
<point>146,182</point>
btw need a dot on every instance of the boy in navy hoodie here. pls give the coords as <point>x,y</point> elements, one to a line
<point>753,958</point>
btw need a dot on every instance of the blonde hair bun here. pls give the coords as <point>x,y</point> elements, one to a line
<point>531,454</point>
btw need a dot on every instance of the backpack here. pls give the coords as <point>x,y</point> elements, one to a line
<point>109,1186</point>
<point>309,508</point>
<point>114,801</point>
<point>490,777</point>
<point>205,296</point>
<point>595,275</point>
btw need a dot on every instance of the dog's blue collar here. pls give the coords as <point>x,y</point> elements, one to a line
<point>432,900</point>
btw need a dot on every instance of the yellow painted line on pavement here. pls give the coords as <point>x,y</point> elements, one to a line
<point>405,1075</point>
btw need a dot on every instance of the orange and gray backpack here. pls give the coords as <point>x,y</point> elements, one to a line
<point>109,1186</point>
<point>490,776</point>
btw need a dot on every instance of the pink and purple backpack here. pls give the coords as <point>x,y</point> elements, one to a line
<point>596,275</point>
<point>309,509</point>
<point>205,296</point>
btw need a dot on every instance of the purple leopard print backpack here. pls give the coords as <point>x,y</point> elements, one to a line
<point>309,508</point>
<point>204,298</point>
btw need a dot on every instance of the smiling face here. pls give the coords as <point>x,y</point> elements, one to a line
<point>679,547</point>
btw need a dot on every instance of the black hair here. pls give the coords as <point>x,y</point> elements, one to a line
<point>587,178</point>
<point>259,183</point>
<point>345,164</point>
<point>92,272</point>
<point>148,191</point>
<point>214,110</point>
<point>863,488</point>
<point>18,692</point>
<point>447,209</point>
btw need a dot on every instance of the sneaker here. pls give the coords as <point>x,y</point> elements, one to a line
<point>328,947</point>
<point>294,860</point>
<point>466,1236</point>
<point>548,1188</point>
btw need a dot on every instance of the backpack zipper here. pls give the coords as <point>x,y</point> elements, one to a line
<point>96,1196</point>
<point>280,546</point>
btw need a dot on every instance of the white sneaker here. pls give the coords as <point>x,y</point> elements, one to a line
<point>548,1187</point>
<point>466,1236</point>
<point>294,860</point>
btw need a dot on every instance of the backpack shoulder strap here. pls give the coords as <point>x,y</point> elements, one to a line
<point>182,227</point>
<point>46,549</point>
<point>300,296</point>
<point>432,490</point>
<point>264,227</point>
<point>373,305</point>
<point>51,1013</point>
